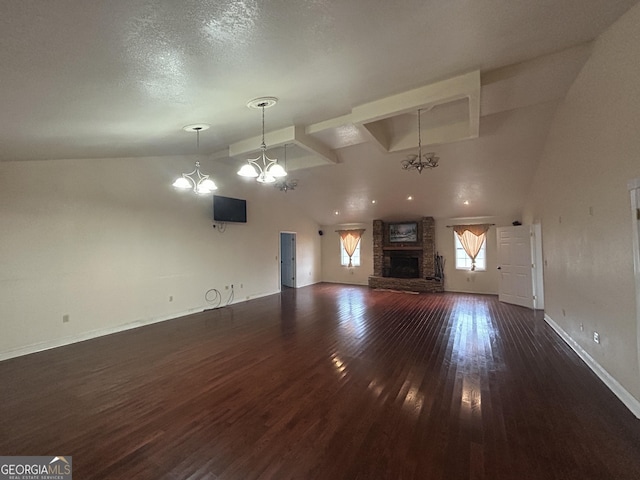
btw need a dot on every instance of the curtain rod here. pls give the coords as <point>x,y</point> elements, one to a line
<point>490,224</point>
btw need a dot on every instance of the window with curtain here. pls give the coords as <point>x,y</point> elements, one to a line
<point>350,247</point>
<point>344,256</point>
<point>463,260</point>
<point>471,247</point>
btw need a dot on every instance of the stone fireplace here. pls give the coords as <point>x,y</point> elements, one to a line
<point>405,265</point>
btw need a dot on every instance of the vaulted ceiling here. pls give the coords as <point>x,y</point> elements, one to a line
<point>121,78</point>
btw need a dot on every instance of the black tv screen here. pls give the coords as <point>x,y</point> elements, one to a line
<point>226,209</point>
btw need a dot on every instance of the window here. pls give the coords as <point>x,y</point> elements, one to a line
<point>344,256</point>
<point>350,247</point>
<point>463,261</point>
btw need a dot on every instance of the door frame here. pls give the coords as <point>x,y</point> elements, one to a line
<point>537,273</point>
<point>634,193</point>
<point>282,260</point>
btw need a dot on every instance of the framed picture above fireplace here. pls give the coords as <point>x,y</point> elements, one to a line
<point>403,232</point>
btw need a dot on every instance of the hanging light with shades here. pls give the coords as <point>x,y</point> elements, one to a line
<point>262,168</point>
<point>283,184</point>
<point>196,180</point>
<point>416,162</point>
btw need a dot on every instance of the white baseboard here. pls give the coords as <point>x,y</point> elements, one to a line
<point>619,391</point>
<point>61,342</point>
<point>308,284</point>
<point>471,292</point>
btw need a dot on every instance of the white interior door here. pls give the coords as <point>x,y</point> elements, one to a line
<point>515,265</point>
<point>288,259</point>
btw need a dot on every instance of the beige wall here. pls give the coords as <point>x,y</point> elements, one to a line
<point>580,197</point>
<point>455,280</point>
<point>332,271</point>
<point>108,242</point>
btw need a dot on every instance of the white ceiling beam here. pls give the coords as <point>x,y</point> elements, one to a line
<point>314,146</point>
<point>328,124</point>
<point>369,115</point>
<point>271,139</point>
<point>292,134</point>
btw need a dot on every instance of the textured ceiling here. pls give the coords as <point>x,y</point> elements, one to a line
<point>121,78</point>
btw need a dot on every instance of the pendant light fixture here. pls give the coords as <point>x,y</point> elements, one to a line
<point>416,162</point>
<point>285,185</point>
<point>262,168</point>
<point>200,183</point>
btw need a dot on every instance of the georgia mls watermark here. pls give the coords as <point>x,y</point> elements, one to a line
<point>35,468</point>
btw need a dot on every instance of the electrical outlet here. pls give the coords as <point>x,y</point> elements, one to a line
<point>171,298</point>
<point>226,287</point>
<point>596,337</point>
<point>232,286</point>
<point>65,318</point>
<point>581,327</point>
<point>241,286</point>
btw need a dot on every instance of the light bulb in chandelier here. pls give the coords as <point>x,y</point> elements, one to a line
<point>195,180</point>
<point>248,170</point>
<point>200,183</point>
<point>262,168</point>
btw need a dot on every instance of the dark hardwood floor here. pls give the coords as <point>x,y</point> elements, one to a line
<point>324,382</point>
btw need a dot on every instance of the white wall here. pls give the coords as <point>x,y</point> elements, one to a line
<point>462,280</point>
<point>332,271</point>
<point>580,197</point>
<point>109,241</point>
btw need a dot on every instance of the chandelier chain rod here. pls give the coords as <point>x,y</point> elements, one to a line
<point>419,136</point>
<point>264,145</point>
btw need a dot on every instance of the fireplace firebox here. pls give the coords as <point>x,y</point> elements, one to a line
<point>404,267</point>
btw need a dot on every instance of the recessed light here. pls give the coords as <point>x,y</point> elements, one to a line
<point>409,197</point>
<point>466,202</point>
<point>373,201</point>
<point>337,212</point>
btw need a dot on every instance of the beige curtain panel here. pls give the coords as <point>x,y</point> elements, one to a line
<point>350,240</point>
<point>471,237</point>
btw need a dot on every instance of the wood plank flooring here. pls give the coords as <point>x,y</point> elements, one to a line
<point>324,382</point>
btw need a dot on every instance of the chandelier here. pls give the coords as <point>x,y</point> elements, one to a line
<point>419,162</point>
<point>285,185</point>
<point>196,180</point>
<point>262,168</point>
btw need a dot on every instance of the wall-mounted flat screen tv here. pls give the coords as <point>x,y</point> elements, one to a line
<point>226,209</point>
